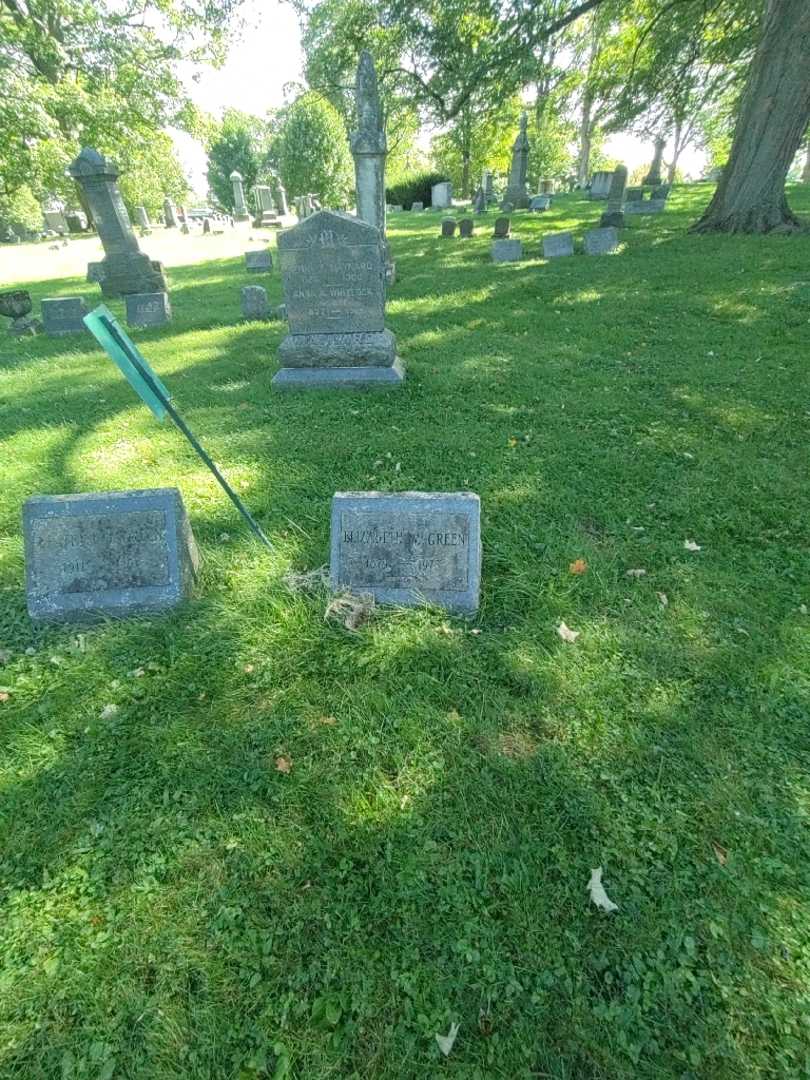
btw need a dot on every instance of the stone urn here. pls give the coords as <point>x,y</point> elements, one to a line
<point>16,305</point>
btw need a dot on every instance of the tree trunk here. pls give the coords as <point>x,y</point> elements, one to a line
<point>676,153</point>
<point>773,117</point>
<point>465,175</point>
<point>806,173</point>
<point>585,133</point>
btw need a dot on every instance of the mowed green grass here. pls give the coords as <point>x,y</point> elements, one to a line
<point>173,906</point>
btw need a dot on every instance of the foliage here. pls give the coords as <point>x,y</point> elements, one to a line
<point>552,138</point>
<point>416,188</point>
<point>173,906</point>
<point>239,143</point>
<point>20,212</point>
<point>475,141</point>
<point>313,152</point>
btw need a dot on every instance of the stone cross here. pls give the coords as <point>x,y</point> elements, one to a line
<point>125,268</point>
<point>517,191</point>
<point>614,215</point>
<point>240,210</point>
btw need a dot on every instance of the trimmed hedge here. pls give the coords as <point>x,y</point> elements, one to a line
<point>416,188</point>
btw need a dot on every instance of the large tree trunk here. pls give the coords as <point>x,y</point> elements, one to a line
<point>773,117</point>
<point>585,133</point>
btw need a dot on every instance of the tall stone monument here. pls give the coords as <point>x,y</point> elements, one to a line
<point>653,177</point>
<point>265,207</point>
<point>332,269</point>
<point>369,149</point>
<point>614,214</point>
<point>240,210</point>
<point>125,268</point>
<point>170,218</point>
<point>517,190</point>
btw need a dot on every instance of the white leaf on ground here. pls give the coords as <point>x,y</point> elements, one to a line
<point>109,712</point>
<point>566,633</point>
<point>636,573</point>
<point>690,545</point>
<point>598,894</point>
<point>662,599</point>
<point>446,1041</point>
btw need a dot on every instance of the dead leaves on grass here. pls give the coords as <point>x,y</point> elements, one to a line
<point>567,634</point>
<point>598,894</point>
<point>350,610</point>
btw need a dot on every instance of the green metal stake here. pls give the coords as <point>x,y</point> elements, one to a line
<point>149,387</point>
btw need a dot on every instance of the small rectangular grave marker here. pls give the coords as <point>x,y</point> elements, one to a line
<point>601,241</point>
<point>466,228</point>
<point>259,261</point>
<point>106,554</point>
<point>148,309</point>
<point>507,251</point>
<point>449,227</point>
<point>417,206</point>
<point>408,548</point>
<point>254,302</point>
<point>557,244</point>
<point>64,316</point>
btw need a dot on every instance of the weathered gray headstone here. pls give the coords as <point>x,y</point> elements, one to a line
<point>441,195</point>
<point>76,221</point>
<point>601,241</point>
<point>507,251</point>
<point>240,210</point>
<point>56,221</point>
<point>466,227</point>
<point>332,268</point>
<point>600,184</point>
<point>254,302</point>
<point>95,272</point>
<point>265,207</point>
<point>540,202</point>
<point>557,244</point>
<point>369,146</point>
<point>449,227</point>
<point>409,548</point>
<point>417,206</point>
<point>502,227</point>
<point>614,214</point>
<point>546,187</point>
<point>479,202</point>
<point>148,309</point>
<point>507,207</point>
<point>488,185</point>
<point>61,317</point>
<point>517,191</point>
<point>170,218</point>
<point>259,261</point>
<point>107,554</point>
<point>634,194</point>
<point>142,217</point>
<point>126,269</point>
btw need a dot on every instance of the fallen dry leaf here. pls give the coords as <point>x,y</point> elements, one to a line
<point>328,720</point>
<point>598,894</point>
<point>662,599</point>
<point>4,696</point>
<point>721,853</point>
<point>249,669</point>
<point>476,631</point>
<point>578,566</point>
<point>283,764</point>
<point>690,545</point>
<point>635,573</point>
<point>566,633</point>
<point>109,711</point>
<point>446,1041</point>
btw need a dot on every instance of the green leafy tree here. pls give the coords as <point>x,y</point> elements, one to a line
<point>240,142</point>
<point>312,151</point>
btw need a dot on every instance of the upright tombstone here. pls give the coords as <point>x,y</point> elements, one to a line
<point>546,187</point>
<point>488,185</point>
<point>332,269</point>
<point>653,177</point>
<point>148,309</point>
<point>259,262</point>
<point>240,210</point>
<point>369,150</point>
<point>540,203</point>
<point>417,206</point>
<point>441,195</point>
<point>64,316</point>
<point>76,221</point>
<point>502,227</point>
<point>466,227</point>
<point>170,218</point>
<point>95,273</point>
<point>107,554</point>
<point>266,215</point>
<point>517,190</point>
<point>449,228</point>
<point>557,244</point>
<point>614,214</point>
<point>125,268</point>
<point>507,251</point>
<point>410,548</point>
<point>254,302</point>
<point>601,241</point>
<point>142,217</point>
<point>600,184</point>
<point>281,198</point>
<point>479,203</point>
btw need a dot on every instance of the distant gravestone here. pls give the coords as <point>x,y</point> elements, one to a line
<point>600,184</point>
<point>76,221</point>
<point>259,261</point>
<point>517,190</point>
<point>441,195</point>
<point>107,554</point>
<point>125,268</point>
<point>60,317</point>
<point>466,228</point>
<point>558,244</point>
<point>240,209</point>
<point>507,251</point>
<point>614,214</point>
<point>635,194</point>
<point>488,185</point>
<point>142,217</point>
<point>502,227</point>
<point>479,203</point>
<point>95,272</point>
<point>148,309</point>
<point>332,268</point>
<point>601,241</point>
<point>507,207</point>
<point>546,187</point>
<point>56,221</point>
<point>540,202</point>
<point>254,302</point>
<point>416,206</point>
<point>170,218</point>
<point>449,227</point>
<point>409,548</point>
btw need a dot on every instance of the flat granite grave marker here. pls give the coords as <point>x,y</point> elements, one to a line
<point>148,309</point>
<point>441,195</point>
<point>449,228</point>
<point>557,244</point>
<point>332,269</point>
<point>507,251</point>
<point>107,554</point>
<point>466,228</point>
<point>540,202</point>
<point>259,261</point>
<point>254,302</point>
<point>601,241</point>
<point>409,547</point>
<point>416,206</point>
<point>64,316</point>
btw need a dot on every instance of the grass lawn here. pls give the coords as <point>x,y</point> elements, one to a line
<point>174,906</point>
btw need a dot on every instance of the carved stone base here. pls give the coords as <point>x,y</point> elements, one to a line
<point>376,348</point>
<point>132,273</point>
<point>357,378</point>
